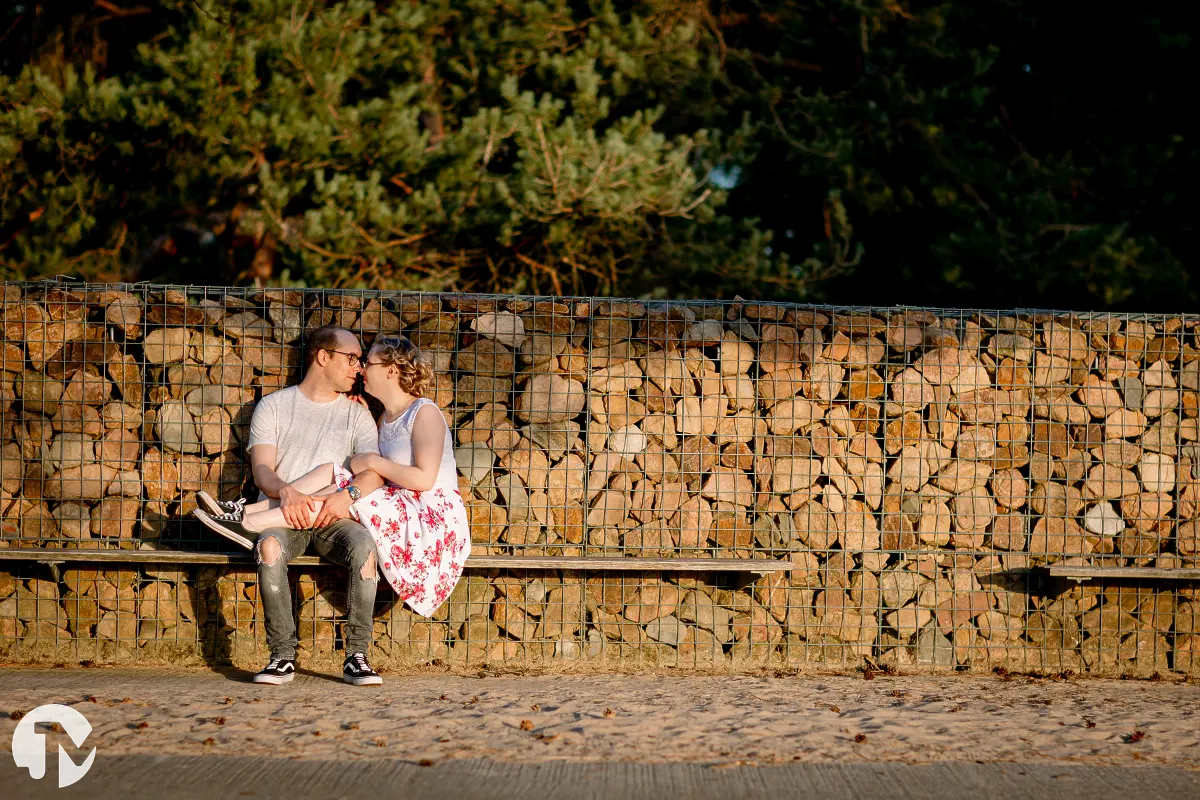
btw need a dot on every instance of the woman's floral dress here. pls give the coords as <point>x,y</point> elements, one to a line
<point>422,539</point>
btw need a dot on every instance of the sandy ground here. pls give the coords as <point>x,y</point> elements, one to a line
<point>710,720</point>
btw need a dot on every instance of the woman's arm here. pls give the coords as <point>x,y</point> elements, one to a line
<point>428,442</point>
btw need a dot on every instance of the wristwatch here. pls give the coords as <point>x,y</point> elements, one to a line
<point>354,493</point>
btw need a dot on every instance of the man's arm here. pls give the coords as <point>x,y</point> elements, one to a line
<point>298,508</point>
<point>263,460</point>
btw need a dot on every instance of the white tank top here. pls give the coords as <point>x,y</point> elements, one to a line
<point>395,444</point>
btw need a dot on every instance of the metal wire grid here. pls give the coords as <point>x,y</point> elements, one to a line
<point>623,620</point>
<point>910,463</point>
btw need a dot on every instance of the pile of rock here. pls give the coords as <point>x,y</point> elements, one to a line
<point>910,466</point>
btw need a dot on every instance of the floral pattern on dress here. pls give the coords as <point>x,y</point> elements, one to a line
<point>422,539</point>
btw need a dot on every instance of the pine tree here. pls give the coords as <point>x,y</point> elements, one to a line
<point>431,145</point>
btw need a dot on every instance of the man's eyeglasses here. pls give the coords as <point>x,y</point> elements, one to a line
<point>353,358</point>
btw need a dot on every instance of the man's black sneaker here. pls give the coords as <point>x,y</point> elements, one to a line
<point>217,507</point>
<point>357,671</point>
<point>278,670</point>
<point>230,526</point>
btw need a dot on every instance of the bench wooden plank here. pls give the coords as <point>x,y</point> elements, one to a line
<point>754,565</point>
<point>1149,573</point>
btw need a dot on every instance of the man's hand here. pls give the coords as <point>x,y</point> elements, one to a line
<point>337,506</point>
<point>298,508</point>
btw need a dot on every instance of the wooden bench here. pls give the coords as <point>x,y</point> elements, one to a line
<point>749,569</point>
<point>752,566</point>
<point>1079,574</point>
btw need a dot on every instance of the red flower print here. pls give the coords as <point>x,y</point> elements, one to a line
<point>422,539</point>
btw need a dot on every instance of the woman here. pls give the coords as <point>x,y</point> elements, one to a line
<point>422,537</point>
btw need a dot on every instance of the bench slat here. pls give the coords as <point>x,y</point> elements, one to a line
<point>1155,573</point>
<point>756,565</point>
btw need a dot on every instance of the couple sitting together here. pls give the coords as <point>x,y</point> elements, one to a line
<point>371,499</point>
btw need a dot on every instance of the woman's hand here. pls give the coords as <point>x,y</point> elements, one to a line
<point>363,462</point>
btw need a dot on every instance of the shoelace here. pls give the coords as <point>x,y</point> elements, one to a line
<point>360,661</point>
<point>230,517</point>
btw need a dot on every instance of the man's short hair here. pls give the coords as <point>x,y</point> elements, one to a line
<point>324,338</point>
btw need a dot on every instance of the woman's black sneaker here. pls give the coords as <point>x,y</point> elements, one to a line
<point>358,672</point>
<point>217,507</point>
<point>278,670</point>
<point>230,526</point>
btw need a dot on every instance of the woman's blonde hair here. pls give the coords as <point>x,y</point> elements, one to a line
<point>415,367</point>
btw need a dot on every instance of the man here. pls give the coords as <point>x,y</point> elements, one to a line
<point>293,431</point>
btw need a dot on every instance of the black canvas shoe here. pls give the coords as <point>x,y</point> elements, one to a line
<point>358,672</point>
<point>219,507</point>
<point>230,526</point>
<point>278,670</point>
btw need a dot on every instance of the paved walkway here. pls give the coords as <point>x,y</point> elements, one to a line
<point>207,778</point>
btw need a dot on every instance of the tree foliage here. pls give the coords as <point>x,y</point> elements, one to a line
<point>869,151</point>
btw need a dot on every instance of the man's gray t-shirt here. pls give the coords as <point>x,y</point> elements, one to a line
<point>307,434</point>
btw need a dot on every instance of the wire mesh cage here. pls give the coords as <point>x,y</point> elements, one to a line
<point>904,477</point>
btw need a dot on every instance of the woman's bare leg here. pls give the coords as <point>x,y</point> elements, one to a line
<point>273,517</point>
<point>315,482</point>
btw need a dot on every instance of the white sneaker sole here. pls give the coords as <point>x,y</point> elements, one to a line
<point>274,680</point>
<point>228,533</point>
<point>373,680</point>
<point>209,502</point>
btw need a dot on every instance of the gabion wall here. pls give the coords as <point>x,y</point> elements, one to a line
<point>914,468</point>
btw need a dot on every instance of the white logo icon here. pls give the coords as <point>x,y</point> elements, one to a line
<point>29,746</point>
